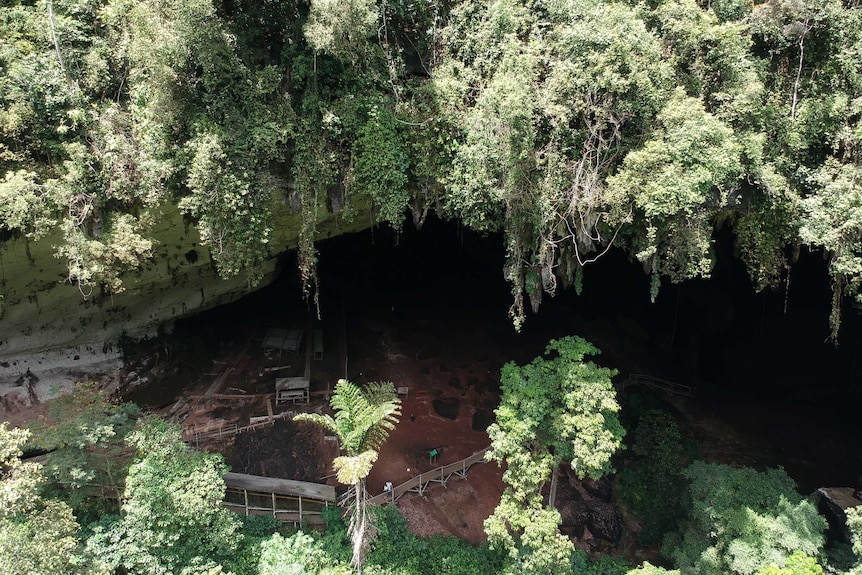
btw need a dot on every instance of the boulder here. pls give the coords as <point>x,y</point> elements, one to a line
<point>832,503</point>
<point>579,509</point>
<point>605,521</point>
<point>16,399</point>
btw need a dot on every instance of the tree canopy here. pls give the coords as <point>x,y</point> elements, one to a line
<point>557,410</point>
<point>573,126</point>
<point>38,536</point>
<point>742,521</point>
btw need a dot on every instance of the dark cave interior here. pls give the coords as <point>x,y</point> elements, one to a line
<point>760,360</point>
<point>716,333</point>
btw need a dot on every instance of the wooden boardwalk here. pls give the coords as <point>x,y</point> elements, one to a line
<point>648,381</point>
<point>422,481</point>
<point>301,501</point>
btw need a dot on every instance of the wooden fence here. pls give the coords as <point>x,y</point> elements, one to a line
<point>195,435</point>
<point>654,383</point>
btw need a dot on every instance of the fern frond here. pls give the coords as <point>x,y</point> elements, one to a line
<point>324,421</point>
<point>350,470</point>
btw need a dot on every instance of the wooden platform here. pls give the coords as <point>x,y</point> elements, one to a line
<point>318,491</point>
<point>284,499</point>
<point>283,339</point>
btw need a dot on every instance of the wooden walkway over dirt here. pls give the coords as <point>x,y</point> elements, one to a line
<point>656,383</point>
<point>284,499</point>
<point>422,481</point>
<point>197,434</point>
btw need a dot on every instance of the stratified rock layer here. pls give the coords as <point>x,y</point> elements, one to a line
<point>52,331</point>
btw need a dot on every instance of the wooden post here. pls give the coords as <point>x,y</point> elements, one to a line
<point>269,408</point>
<point>300,508</point>
<point>273,505</point>
<point>245,497</point>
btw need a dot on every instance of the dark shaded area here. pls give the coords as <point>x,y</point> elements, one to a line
<point>286,449</point>
<point>482,418</point>
<point>447,407</point>
<point>758,361</point>
<point>579,509</point>
<point>716,333</point>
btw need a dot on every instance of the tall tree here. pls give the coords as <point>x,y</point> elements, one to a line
<point>555,410</point>
<point>84,434</point>
<point>172,517</point>
<point>38,536</point>
<point>364,416</point>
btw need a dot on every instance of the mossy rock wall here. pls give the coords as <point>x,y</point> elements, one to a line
<point>47,326</point>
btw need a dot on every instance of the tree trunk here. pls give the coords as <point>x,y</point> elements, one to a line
<point>358,526</point>
<point>552,496</point>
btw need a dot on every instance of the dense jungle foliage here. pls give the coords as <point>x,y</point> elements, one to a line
<point>573,126</point>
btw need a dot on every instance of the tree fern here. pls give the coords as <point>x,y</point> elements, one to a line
<point>363,418</point>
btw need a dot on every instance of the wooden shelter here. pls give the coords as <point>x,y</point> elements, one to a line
<point>291,389</point>
<point>284,499</point>
<point>283,339</point>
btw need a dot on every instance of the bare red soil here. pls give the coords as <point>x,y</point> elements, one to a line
<point>442,355</point>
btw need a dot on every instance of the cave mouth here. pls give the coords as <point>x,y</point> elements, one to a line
<point>717,333</point>
<point>754,365</point>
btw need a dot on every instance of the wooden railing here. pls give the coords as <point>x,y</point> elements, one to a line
<point>422,481</point>
<point>195,435</point>
<point>288,509</point>
<point>654,383</point>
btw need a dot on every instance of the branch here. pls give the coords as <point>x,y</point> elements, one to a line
<point>56,42</point>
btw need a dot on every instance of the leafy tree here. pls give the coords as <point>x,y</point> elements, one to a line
<point>854,524</point>
<point>834,221</point>
<point>381,166</point>
<point>676,183</point>
<point>172,519</point>
<point>364,416</point>
<point>299,554</point>
<point>397,550</point>
<point>797,564</point>
<point>561,409</point>
<point>742,520</point>
<point>87,458</point>
<point>544,99</point>
<point>649,569</point>
<point>38,536</point>
<point>341,27</point>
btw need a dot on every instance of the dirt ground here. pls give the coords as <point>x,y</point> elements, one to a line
<point>448,355</point>
<point>437,358</point>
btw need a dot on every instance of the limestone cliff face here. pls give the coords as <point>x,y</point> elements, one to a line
<point>52,335</point>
